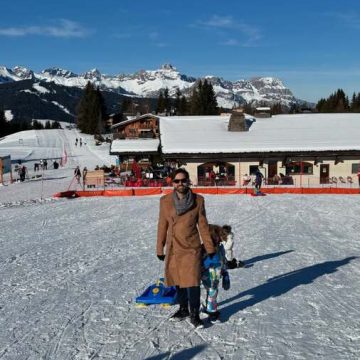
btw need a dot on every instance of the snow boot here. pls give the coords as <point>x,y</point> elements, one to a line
<point>214,317</point>
<point>195,320</point>
<point>181,314</point>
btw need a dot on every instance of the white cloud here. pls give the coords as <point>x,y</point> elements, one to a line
<point>251,33</point>
<point>348,19</point>
<point>154,35</point>
<point>231,42</point>
<point>61,28</point>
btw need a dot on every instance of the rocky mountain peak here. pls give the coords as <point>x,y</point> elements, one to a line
<point>58,72</point>
<point>93,74</point>
<point>168,67</point>
<point>23,72</point>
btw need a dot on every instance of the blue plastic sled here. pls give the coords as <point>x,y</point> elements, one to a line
<point>158,294</point>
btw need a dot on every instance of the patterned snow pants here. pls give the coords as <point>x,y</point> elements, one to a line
<point>211,280</point>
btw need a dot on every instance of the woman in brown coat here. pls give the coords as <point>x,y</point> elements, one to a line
<point>182,221</point>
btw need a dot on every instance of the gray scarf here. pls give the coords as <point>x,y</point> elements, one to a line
<point>185,204</point>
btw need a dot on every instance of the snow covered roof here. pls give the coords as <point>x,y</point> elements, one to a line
<point>282,133</point>
<point>134,145</point>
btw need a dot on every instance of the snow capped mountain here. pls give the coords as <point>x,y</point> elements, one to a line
<point>7,75</point>
<point>23,72</point>
<point>56,72</point>
<point>148,83</point>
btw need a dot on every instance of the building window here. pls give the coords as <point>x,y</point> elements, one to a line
<point>294,168</point>
<point>355,168</point>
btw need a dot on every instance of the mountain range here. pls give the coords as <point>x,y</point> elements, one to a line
<point>54,92</point>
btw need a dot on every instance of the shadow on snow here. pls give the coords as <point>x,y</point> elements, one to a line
<point>280,285</point>
<point>252,261</point>
<point>184,354</point>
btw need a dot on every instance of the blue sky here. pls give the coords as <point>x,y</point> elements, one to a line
<point>312,46</point>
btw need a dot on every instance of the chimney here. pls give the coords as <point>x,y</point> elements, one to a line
<point>237,121</point>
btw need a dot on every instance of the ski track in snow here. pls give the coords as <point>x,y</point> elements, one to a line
<point>72,268</point>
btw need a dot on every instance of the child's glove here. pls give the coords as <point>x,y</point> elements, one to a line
<point>211,260</point>
<point>226,281</point>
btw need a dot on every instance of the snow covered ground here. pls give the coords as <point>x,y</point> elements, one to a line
<point>34,145</point>
<point>70,270</point>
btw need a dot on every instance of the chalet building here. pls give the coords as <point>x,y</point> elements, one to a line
<point>137,139</point>
<point>299,150</point>
<point>262,112</point>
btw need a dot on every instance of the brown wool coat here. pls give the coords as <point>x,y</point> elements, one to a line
<point>180,235</point>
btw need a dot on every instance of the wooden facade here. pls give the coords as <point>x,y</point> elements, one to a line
<point>142,127</point>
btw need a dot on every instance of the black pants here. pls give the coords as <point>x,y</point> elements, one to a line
<point>189,297</point>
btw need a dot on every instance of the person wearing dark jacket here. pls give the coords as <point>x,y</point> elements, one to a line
<point>258,180</point>
<point>182,220</point>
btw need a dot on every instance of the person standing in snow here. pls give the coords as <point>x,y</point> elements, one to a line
<point>182,220</point>
<point>258,180</point>
<point>77,174</point>
<point>85,170</point>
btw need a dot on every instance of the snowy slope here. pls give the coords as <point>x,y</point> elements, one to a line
<point>72,268</point>
<point>33,145</point>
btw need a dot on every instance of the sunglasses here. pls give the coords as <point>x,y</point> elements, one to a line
<point>178,181</point>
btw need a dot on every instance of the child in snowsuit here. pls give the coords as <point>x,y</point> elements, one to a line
<point>228,243</point>
<point>213,270</point>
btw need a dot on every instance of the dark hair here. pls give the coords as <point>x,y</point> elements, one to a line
<point>180,171</point>
<point>227,228</point>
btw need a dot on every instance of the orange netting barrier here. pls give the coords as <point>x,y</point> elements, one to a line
<point>147,191</point>
<point>124,192</point>
<point>204,190</point>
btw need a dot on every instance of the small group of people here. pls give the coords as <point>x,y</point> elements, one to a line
<point>42,165</point>
<point>78,175</point>
<point>190,261</point>
<point>78,141</point>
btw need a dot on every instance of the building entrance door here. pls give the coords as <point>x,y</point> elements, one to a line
<point>324,173</point>
<point>272,170</point>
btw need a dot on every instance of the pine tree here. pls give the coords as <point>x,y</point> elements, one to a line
<point>160,103</point>
<point>47,124</point>
<point>336,102</point>
<point>91,111</point>
<point>177,102</point>
<point>126,105</point>
<point>203,100</point>
<point>4,125</point>
<point>210,102</point>
<point>184,106</point>
<point>37,125</point>
<point>194,107</point>
<point>167,101</point>
<point>55,125</point>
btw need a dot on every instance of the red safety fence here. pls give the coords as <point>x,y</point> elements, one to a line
<point>138,191</point>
